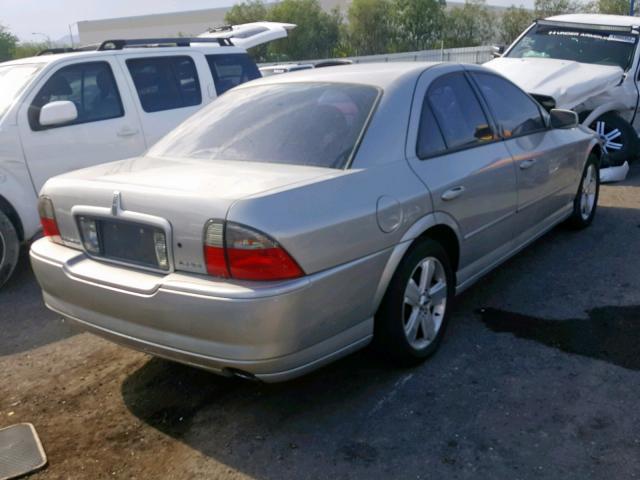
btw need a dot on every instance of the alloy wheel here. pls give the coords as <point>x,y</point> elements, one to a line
<point>588,193</point>
<point>611,137</point>
<point>425,302</point>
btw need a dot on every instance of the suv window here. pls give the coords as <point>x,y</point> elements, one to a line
<point>90,86</point>
<point>232,69</point>
<point>165,83</point>
<point>457,111</point>
<point>516,113</point>
<point>430,140</point>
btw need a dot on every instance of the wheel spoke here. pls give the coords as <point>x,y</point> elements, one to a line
<point>438,293</point>
<point>428,326</point>
<point>613,145</point>
<point>411,328</point>
<point>600,128</point>
<point>426,275</point>
<point>412,294</point>
<point>613,134</point>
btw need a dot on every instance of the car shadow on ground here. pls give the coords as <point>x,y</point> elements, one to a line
<point>26,324</point>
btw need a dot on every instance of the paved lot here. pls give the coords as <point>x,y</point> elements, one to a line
<point>542,383</point>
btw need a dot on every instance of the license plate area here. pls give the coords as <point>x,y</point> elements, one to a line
<point>125,242</point>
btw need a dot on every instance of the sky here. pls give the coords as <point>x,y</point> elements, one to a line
<point>52,17</point>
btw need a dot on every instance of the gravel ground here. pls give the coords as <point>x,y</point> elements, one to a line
<point>537,378</point>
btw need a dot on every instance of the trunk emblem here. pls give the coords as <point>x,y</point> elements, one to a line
<point>116,203</point>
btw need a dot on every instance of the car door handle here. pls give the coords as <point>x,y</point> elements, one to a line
<point>127,132</point>
<point>452,193</point>
<point>528,163</point>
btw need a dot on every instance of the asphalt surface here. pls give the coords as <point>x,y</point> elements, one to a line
<point>537,378</point>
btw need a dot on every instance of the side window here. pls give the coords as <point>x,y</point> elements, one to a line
<point>165,83</point>
<point>430,141</point>
<point>231,69</point>
<point>90,86</point>
<point>516,113</point>
<point>458,112</point>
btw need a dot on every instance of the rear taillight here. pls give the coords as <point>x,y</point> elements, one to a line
<point>236,251</point>
<point>48,218</point>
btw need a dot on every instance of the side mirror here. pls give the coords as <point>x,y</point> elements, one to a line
<point>57,113</point>
<point>497,51</point>
<point>563,118</point>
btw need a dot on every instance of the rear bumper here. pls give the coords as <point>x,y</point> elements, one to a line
<point>275,331</point>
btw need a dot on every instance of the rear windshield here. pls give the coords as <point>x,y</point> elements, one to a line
<point>13,79</point>
<point>316,124</point>
<point>599,47</point>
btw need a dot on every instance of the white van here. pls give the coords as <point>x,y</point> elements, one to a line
<point>66,110</point>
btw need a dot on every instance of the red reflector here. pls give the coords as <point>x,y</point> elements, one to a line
<point>262,264</point>
<point>216,263</point>
<point>49,227</point>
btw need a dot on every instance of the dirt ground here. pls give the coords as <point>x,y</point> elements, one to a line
<point>537,378</point>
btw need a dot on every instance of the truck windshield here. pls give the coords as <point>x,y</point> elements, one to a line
<point>13,78</point>
<point>317,124</point>
<point>600,47</point>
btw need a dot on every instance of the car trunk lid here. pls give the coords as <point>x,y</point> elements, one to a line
<point>174,195</point>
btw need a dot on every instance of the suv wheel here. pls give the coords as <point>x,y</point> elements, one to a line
<point>620,140</point>
<point>9,248</point>
<point>413,315</point>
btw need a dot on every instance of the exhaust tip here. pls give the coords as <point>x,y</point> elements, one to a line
<point>235,372</point>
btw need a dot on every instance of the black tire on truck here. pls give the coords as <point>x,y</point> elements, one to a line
<point>619,137</point>
<point>9,248</point>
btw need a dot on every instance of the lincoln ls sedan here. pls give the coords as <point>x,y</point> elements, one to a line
<point>304,216</point>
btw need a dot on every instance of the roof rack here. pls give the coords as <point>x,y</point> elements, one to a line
<point>83,48</point>
<point>161,42</point>
<point>220,28</point>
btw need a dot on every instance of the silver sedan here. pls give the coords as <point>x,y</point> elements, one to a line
<point>301,217</point>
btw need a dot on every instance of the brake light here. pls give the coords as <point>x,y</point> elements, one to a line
<point>236,251</point>
<point>48,219</point>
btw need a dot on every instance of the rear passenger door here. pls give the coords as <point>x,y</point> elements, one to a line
<point>168,89</point>
<point>546,159</point>
<point>454,149</point>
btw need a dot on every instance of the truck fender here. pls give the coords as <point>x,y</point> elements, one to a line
<point>602,109</point>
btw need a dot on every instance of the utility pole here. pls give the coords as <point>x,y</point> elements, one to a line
<point>631,8</point>
<point>71,34</point>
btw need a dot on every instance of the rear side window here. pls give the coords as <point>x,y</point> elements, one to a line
<point>430,140</point>
<point>165,83</point>
<point>458,112</point>
<point>230,70</point>
<point>90,86</point>
<point>516,113</point>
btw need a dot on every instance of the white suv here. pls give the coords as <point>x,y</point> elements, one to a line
<point>588,63</point>
<point>64,111</point>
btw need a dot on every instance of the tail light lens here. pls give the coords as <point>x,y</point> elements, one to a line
<point>237,251</point>
<point>48,219</point>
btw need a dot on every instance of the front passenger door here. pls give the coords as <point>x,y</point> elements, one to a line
<point>105,130</point>
<point>546,159</point>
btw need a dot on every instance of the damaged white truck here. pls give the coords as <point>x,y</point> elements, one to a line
<point>587,63</point>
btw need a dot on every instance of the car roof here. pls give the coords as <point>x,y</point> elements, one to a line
<point>598,19</point>
<point>381,75</point>
<point>55,57</point>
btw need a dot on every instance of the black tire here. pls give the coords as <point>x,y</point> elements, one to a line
<point>579,218</point>
<point>389,327</point>
<point>9,248</point>
<point>610,122</point>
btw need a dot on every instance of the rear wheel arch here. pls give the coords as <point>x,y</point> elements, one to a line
<point>12,214</point>
<point>440,230</point>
